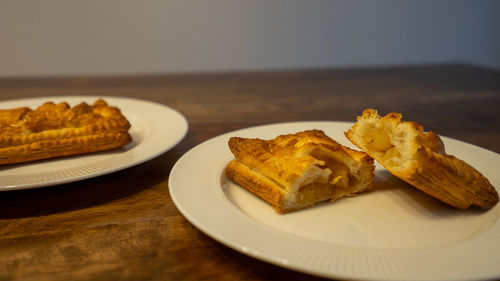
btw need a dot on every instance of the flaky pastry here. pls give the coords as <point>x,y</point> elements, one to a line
<point>419,158</point>
<point>55,130</point>
<point>296,171</point>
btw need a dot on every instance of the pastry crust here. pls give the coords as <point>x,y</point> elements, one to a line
<point>55,130</point>
<point>296,171</point>
<point>419,158</point>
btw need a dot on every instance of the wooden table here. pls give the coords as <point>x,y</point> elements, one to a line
<point>124,226</point>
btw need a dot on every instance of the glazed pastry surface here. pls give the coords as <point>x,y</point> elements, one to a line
<point>55,130</point>
<point>296,171</point>
<point>419,158</point>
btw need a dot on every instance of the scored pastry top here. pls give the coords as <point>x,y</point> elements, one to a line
<point>287,158</point>
<point>24,125</point>
<point>55,130</point>
<point>295,171</point>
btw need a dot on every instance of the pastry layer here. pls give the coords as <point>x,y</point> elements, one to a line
<point>296,171</point>
<point>419,158</point>
<point>55,130</point>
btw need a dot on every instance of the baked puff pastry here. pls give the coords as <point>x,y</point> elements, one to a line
<point>295,171</point>
<point>55,130</point>
<point>419,158</point>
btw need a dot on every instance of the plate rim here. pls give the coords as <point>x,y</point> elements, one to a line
<point>180,120</point>
<point>393,254</point>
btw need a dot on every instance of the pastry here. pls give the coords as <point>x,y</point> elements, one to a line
<point>419,158</point>
<point>295,171</point>
<point>54,130</point>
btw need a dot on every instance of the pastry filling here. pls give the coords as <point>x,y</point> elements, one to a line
<point>337,184</point>
<point>388,142</point>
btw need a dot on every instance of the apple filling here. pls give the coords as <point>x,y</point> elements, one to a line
<point>336,185</point>
<point>387,144</point>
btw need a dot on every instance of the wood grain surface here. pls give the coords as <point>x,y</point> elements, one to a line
<point>124,226</point>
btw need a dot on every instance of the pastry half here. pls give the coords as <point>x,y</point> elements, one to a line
<point>296,171</point>
<point>55,130</point>
<point>419,158</point>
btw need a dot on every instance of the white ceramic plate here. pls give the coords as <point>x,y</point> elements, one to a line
<point>394,232</point>
<point>154,128</point>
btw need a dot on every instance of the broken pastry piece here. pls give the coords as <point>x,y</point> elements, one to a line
<point>296,171</point>
<point>55,130</point>
<point>419,158</point>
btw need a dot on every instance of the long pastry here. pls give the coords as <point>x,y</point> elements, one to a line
<point>419,158</point>
<point>296,171</point>
<point>55,130</point>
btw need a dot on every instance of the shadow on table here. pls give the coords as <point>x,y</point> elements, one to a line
<point>86,193</point>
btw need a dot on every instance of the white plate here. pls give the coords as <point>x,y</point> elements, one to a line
<point>392,233</point>
<point>154,128</point>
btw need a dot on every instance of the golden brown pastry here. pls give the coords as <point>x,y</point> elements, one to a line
<point>419,158</point>
<point>54,130</point>
<point>296,171</point>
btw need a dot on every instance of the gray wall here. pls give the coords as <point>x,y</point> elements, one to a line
<point>64,37</point>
